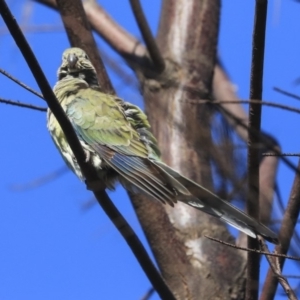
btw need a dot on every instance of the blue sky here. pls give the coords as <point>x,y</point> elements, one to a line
<point>51,246</point>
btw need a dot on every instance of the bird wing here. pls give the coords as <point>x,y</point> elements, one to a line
<point>101,123</point>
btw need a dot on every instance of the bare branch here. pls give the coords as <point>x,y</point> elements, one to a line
<point>116,36</point>
<point>33,184</point>
<point>149,293</point>
<point>253,101</point>
<point>21,104</point>
<point>267,142</point>
<point>35,28</point>
<point>277,89</point>
<point>156,57</point>
<point>289,222</point>
<point>253,250</point>
<point>281,154</point>
<point>275,267</point>
<point>21,83</point>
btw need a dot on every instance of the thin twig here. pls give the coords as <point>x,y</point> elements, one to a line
<point>279,90</point>
<point>157,59</point>
<point>33,184</point>
<point>26,87</point>
<point>286,232</point>
<point>266,142</point>
<point>88,204</point>
<point>252,203</point>
<point>275,266</point>
<point>253,250</point>
<point>20,104</point>
<point>36,28</point>
<point>89,173</point>
<point>253,101</point>
<point>281,154</point>
<point>148,295</point>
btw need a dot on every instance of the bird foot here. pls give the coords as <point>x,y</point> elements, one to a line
<point>95,186</point>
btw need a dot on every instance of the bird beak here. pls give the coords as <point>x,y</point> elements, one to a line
<point>72,60</point>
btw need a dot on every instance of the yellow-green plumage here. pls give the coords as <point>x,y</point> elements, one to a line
<point>118,143</point>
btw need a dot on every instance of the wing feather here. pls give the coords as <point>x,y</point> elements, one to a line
<point>100,122</point>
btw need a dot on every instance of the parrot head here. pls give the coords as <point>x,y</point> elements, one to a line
<point>76,63</point>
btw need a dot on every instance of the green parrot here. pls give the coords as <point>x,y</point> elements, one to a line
<point>117,140</point>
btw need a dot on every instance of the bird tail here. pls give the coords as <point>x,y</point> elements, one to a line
<point>210,203</point>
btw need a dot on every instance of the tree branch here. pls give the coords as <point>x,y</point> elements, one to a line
<point>256,84</point>
<point>35,183</point>
<point>277,89</point>
<point>26,87</point>
<point>20,104</point>
<point>276,269</point>
<point>116,36</point>
<point>253,101</point>
<point>156,57</point>
<point>286,231</point>
<point>254,250</point>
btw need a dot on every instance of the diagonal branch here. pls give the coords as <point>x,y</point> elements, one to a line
<point>117,37</point>
<point>286,93</point>
<point>26,87</point>
<point>36,183</point>
<point>276,269</point>
<point>286,231</point>
<point>20,104</point>
<point>89,172</point>
<point>156,57</point>
<point>253,101</point>
<point>296,258</point>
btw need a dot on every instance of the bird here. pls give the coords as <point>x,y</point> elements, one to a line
<point>117,140</point>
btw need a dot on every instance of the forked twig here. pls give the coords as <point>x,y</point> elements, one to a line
<point>275,266</point>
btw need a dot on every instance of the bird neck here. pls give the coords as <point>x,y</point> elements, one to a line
<point>68,86</point>
<point>90,77</point>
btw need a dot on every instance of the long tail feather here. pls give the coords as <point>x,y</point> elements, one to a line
<point>210,203</point>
